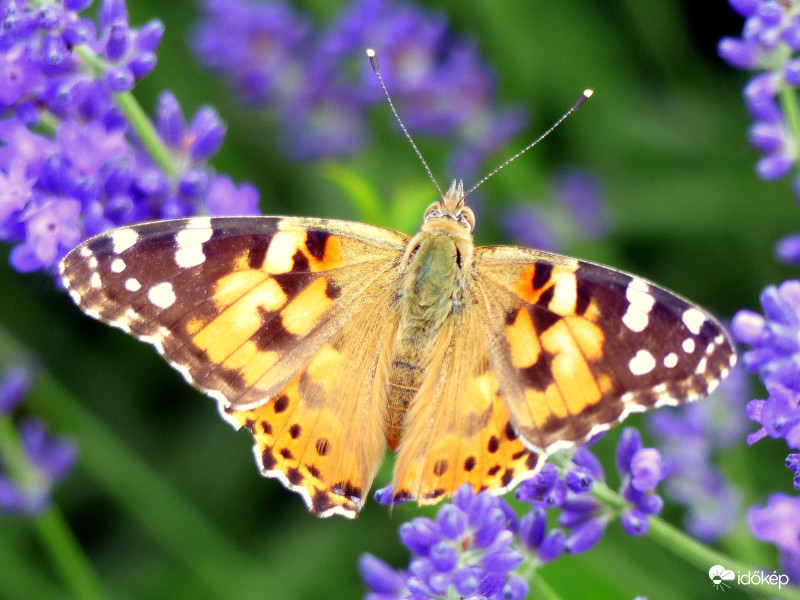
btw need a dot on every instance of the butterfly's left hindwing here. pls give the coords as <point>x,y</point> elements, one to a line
<point>579,346</point>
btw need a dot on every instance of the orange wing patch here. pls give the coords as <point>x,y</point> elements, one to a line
<point>323,435</point>
<point>458,429</point>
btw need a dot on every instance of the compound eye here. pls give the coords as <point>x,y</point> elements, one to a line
<point>467,218</point>
<point>433,211</point>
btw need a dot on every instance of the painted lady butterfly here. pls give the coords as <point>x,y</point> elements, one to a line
<point>330,340</point>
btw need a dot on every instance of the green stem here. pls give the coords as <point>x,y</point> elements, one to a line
<point>57,538</point>
<point>137,118</point>
<point>540,588</point>
<point>681,544</point>
<point>68,557</point>
<point>788,101</point>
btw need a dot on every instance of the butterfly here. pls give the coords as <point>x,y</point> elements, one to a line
<point>332,340</point>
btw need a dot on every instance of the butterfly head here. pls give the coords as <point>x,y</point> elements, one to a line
<point>450,210</point>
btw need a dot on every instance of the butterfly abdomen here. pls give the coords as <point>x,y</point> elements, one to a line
<point>429,294</point>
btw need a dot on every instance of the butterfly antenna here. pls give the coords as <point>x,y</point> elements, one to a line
<point>584,97</point>
<point>373,60</point>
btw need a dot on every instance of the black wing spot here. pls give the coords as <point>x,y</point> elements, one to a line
<point>323,446</point>
<point>281,403</point>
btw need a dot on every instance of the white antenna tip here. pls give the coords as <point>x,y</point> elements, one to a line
<point>371,53</point>
<point>587,93</point>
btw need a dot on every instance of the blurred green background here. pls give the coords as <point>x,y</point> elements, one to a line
<point>665,132</point>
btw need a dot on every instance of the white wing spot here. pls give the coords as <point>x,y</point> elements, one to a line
<point>132,285</point>
<point>670,360</point>
<point>281,250</point>
<point>76,297</point>
<point>189,256</point>
<point>118,265</point>
<point>162,295</point>
<point>641,302</point>
<point>92,262</point>
<point>85,251</point>
<point>94,280</point>
<point>693,319</point>
<point>688,345</point>
<point>122,239</point>
<point>712,385</point>
<point>642,363</point>
<point>701,366</point>
<point>190,243</point>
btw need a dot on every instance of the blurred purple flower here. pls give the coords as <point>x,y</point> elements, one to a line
<point>260,46</point>
<point>15,382</point>
<point>577,211</point>
<point>48,460</point>
<point>530,226</point>
<point>319,83</point>
<point>51,460</point>
<point>581,194</point>
<point>777,522</point>
<point>689,437</point>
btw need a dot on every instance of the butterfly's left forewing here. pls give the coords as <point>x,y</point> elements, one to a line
<point>238,305</point>
<point>579,346</point>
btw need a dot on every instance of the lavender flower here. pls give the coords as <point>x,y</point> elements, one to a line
<point>769,45</point>
<point>93,173</point>
<point>582,518</point>
<point>467,550</point>
<point>775,336</point>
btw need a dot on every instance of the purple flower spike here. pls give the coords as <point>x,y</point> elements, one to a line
<point>516,588</point>
<point>774,166</point>
<point>775,336</point>
<point>553,546</point>
<point>468,548</point>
